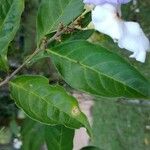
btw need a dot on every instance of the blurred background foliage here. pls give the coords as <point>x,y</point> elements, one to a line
<point>117,124</point>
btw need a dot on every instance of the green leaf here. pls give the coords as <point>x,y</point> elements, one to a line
<point>10,14</point>
<point>59,138</point>
<point>47,104</point>
<point>93,69</point>
<point>53,12</point>
<point>77,35</point>
<point>31,137</point>
<point>56,137</point>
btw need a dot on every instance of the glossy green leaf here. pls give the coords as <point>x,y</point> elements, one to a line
<point>47,104</point>
<point>59,138</point>
<point>10,14</point>
<point>94,69</point>
<point>53,12</point>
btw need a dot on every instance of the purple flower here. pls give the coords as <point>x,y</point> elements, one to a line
<point>97,2</point>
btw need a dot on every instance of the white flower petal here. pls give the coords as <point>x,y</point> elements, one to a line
<point>134,40</point>
<point>105,20</point>
<point>128,35</point>
<point>141,56</point>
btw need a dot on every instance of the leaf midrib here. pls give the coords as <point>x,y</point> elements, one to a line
<point>88,67</point>
<point>45,101</point>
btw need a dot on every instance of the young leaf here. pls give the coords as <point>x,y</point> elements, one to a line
<point>47,104</point>
<point>10,14</point>
<point>59,138</point>
<point>53,12</point>
<point>93,69</point>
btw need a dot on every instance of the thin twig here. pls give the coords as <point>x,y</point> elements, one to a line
<point>43,45</point>
<point>19,68</point>
<point>58,33</point>
<point>41,48</point>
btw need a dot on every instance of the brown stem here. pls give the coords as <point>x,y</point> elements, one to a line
<point>19,68</point>
<point>41,48</point>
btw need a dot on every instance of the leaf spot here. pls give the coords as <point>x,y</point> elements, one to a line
<point>75,111</point>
